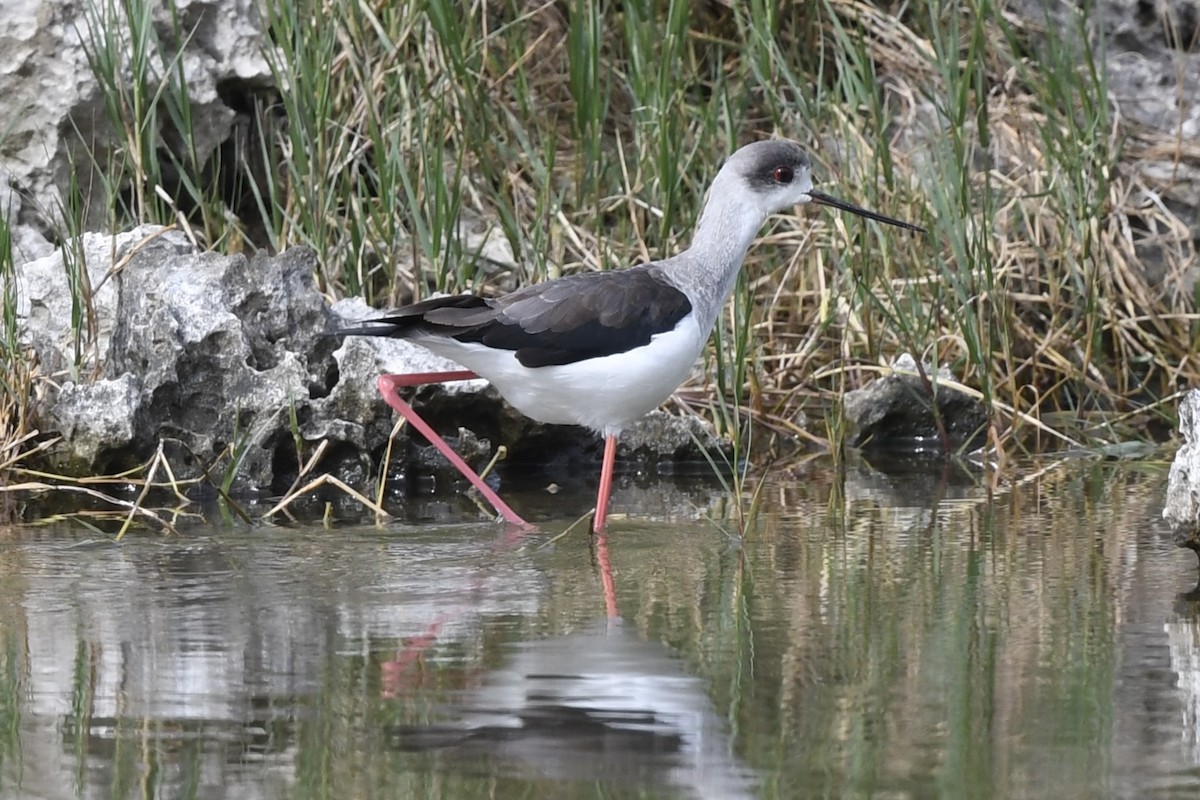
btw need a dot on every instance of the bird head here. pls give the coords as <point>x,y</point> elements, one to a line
<point>778,175</point>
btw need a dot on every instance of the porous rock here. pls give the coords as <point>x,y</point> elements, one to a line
<point>207,352</point>
<point>222,359</point>
<point>1182,507</point>
<point>660,436</point>
<point>44,296</point>
<point>97,418</point>
<point>27,242</point>
<point>896,412</point>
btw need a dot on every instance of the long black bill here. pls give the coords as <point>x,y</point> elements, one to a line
<point>823,199</point>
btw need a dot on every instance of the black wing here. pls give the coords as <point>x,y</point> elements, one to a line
<point>589,315</point>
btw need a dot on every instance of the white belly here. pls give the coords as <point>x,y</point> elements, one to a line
<point>604,394</point>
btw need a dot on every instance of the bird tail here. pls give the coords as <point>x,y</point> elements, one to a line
<point>410,320</point>
<point>392,327</point>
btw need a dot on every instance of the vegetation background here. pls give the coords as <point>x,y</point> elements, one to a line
<point>585,134</point>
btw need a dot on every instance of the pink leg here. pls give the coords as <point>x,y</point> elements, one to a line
<point>388,384</point>
<point>606,576</point>
<point>606,477</point>
<point>393,673</point>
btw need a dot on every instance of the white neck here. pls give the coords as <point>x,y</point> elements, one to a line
<point>707,270</point>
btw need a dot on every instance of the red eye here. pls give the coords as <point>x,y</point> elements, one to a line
<point>783,175</point>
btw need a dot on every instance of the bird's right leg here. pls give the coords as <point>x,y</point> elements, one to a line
<point>606,480</point>
<point>388,386</point>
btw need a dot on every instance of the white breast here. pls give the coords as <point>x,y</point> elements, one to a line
<point>604,394</point>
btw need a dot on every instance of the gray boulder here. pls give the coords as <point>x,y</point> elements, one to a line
<point>44,296</point>
<point>225,360</point>
<point>208,354</point>
<point>896,413</point>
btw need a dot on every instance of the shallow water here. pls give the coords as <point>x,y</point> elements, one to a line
<point>899,637</point>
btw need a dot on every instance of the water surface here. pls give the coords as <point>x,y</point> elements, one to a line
<point>864,636</point>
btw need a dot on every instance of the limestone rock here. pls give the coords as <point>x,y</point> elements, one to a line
<point>209,354</point>
<point>895,413</point>
<point>44,301</point>
<point>660,436</point>
<point>96,419</point>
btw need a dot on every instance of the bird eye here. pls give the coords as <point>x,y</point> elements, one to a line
<point>783,174</point>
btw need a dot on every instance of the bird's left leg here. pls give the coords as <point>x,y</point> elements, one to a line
<point>388,386</point>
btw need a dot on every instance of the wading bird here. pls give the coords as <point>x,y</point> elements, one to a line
<point>601,349</point>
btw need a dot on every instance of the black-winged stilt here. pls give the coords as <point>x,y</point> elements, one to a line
<point>601,349</point>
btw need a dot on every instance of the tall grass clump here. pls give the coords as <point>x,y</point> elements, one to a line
<point>1027,287</point>
<point>151,170</point>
